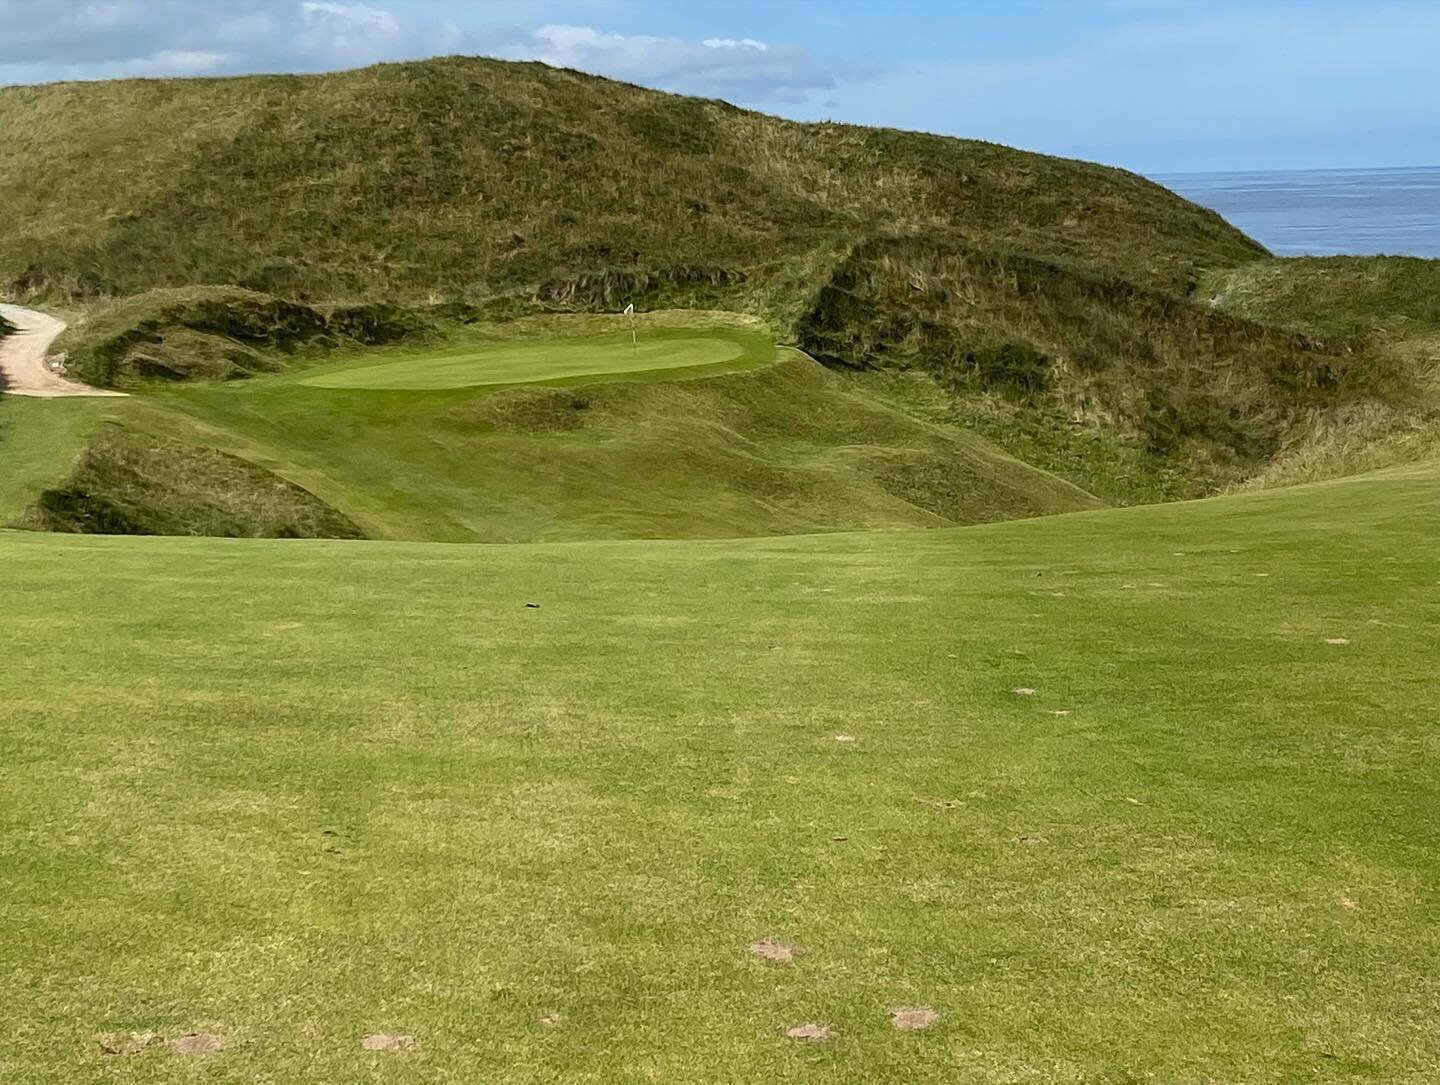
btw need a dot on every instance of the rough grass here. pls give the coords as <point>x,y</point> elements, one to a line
<point>468,177</point>
<point>1354,298</point>
<point>129,483</point>
<point>1134,393</point>
<point>220,333</point>
<point>1384,311</point>
<point>296,793</point>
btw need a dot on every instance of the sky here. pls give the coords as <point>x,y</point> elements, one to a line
<point>1158,86</point>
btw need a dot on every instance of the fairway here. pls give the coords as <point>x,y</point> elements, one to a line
<point>296,793</point>
<point>552,360</point>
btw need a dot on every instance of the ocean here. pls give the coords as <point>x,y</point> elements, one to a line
<point>1324,212</point>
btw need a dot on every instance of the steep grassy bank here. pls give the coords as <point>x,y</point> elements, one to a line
<point>221,333</point>
<point>1384,310</point>
<point>465,177</point>
<point>141,483</point>
<point>294,793</point>
<point>1133,393</point>
<point>1356,298</point>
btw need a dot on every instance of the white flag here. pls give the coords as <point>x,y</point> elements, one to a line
<point>630,310</point>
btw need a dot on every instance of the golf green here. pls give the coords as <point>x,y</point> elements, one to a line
<point>527,362</point>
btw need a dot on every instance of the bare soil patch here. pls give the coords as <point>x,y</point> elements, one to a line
<point>810,1033</point>
<point>913,1018</point>
<point>775,952</point>
<point>387,1041</point>
<point>197,1043</point>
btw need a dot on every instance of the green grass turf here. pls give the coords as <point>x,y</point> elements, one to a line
<point>551,361</point>
<point>292,793</point>
<point>40,442</point>
<point>764,442</point>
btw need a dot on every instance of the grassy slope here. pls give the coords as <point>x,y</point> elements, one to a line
<point>1393,298</point>
<point>465,176</point>
<point>292,793</point>
<point>750,448</point>
<point>1386,309</point>
<point>1132,393</point>
<point>776,450</point>
<point>41,443</point>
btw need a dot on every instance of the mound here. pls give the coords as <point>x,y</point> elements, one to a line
<point>1358,298</point>
<point>138,484</point>
<point>219,333</point>
<point>1133,393</point>
<point>467,177</point>
<point>391,441</point>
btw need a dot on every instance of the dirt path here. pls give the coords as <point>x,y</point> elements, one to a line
<point>23,371</point>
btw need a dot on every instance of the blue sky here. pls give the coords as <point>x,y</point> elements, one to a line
<point>1155,85</point>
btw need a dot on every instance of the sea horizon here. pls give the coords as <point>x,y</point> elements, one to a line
<point>1331,211</point>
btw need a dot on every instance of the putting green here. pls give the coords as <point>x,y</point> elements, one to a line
<point>527,362</point>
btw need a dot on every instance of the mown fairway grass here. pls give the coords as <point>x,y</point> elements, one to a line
<point>40,440</point>
<point>295,793</point>
<point>549,361</point>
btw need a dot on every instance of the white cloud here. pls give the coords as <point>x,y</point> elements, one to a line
<point>744,69</point>
<point>90,39</point>
<point>347,25</point>
<point>735,43</point>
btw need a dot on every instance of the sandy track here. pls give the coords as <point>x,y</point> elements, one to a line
<point>23,371</point>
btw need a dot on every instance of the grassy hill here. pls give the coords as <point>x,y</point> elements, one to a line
<point>1132,393</point>
<point>467,177</point>
<point>1383,312</point>
<point>981,305</point>
<point>707,429</point>
<point>294,793</point>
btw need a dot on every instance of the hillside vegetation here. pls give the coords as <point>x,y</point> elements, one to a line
<point>1131,391</point>
<point>1012,333</point>
<point>467,177</point>
<point>1383,313</point>
<point>1357,298</point>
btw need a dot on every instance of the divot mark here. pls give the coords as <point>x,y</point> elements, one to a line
<point>844,738</point>
<point>387,1041</point>
<point>1030,839</point>
<point>1059,712</point>
<point>810,1033</point>
<point>197,1043</point>
<point>1024,691</point>
<point>770,950</point>
<point>913,1018</point>
<point>128,1043</point>
<point>1337,640</point>
<point>550,1020</point>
